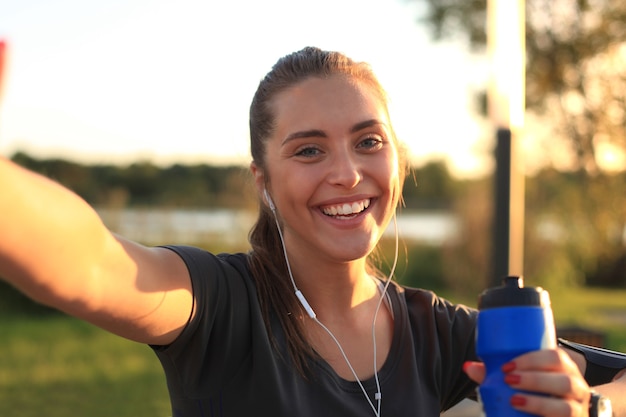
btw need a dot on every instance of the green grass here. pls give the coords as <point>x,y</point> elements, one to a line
<point>58,366</point>
<point>602,310</point>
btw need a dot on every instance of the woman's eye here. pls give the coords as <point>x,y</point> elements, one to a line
<point>308,151</point>
<point>371,142</point>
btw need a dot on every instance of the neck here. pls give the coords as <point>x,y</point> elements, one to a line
<point>335,288</point>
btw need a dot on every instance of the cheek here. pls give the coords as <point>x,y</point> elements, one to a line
<point>295,185</point>
<point>394,180</point>
<point>391,169</point>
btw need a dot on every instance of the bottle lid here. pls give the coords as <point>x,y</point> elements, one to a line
<point>513,293</point>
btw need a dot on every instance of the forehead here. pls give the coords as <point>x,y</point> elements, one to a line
<point>336,98</point>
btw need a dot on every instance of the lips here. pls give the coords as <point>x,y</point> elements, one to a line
<point>346,209</point>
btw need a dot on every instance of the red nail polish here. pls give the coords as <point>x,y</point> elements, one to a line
<point>518,401</point>
<point>512,379</point>
<point>508,367</point>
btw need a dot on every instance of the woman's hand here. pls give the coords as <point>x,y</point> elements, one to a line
<point>551,373</point>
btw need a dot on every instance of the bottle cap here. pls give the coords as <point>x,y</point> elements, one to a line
<point>513,293</point>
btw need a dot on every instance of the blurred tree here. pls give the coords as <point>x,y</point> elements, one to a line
<point>430,186</point>
<point>72,175</point>
<point>578,220</point>
<point>146,184</point>
<point>576,107</point>
<point>466,259</point>
<point>142,182</point>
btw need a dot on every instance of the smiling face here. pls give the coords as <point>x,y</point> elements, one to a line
<point>332,167</point>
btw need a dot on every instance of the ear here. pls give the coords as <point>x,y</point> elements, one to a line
<point>259,179</point>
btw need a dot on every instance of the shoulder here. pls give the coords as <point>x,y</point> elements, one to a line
<point>199,261</point>
<point>429,297</point>
<point>216,280</point>
<point>425,303</point>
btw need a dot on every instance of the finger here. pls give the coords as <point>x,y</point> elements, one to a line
<point>550,383</point>
<point>549,406</point>
<point>546,359</point>
<point>475,371</point>
<point>549,372</point>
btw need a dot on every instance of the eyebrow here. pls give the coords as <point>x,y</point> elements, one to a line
<point>321,134</point>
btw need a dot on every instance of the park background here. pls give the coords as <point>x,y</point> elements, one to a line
<point>130,114</point>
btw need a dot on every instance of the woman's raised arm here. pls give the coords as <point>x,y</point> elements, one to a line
<point>55,249</point>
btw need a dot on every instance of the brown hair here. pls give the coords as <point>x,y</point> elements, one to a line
<point>267,262</point>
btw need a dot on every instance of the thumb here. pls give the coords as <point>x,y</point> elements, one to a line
<point>475,371</point>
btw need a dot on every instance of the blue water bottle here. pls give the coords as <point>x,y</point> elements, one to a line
<point>512,320</point>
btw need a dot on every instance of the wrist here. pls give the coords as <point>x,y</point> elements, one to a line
<point>599,405</point>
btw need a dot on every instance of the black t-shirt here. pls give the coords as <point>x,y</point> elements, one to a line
<point>224,364</point>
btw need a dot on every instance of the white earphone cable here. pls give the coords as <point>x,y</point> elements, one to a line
<point>312,315</point>
<point>380,302</point>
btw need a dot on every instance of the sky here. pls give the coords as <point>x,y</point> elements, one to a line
<point>171,81</point>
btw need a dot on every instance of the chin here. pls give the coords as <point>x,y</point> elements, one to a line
<point>348,253</point>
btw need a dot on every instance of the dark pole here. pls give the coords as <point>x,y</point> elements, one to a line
<point>502,207</point>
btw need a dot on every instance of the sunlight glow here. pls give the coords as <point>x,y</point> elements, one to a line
<point>172,81</point>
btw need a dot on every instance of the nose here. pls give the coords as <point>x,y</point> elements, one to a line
<point>345,169</point>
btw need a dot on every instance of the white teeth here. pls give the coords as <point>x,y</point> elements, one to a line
<point>346,209</point>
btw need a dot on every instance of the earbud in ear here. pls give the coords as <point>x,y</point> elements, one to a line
<point>269,200</point>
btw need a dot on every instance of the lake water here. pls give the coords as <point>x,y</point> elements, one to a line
<point>157,226</point>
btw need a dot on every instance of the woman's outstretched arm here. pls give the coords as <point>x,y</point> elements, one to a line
<point>56,250</point>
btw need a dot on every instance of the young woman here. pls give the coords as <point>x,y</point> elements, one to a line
<point>302,324</point>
